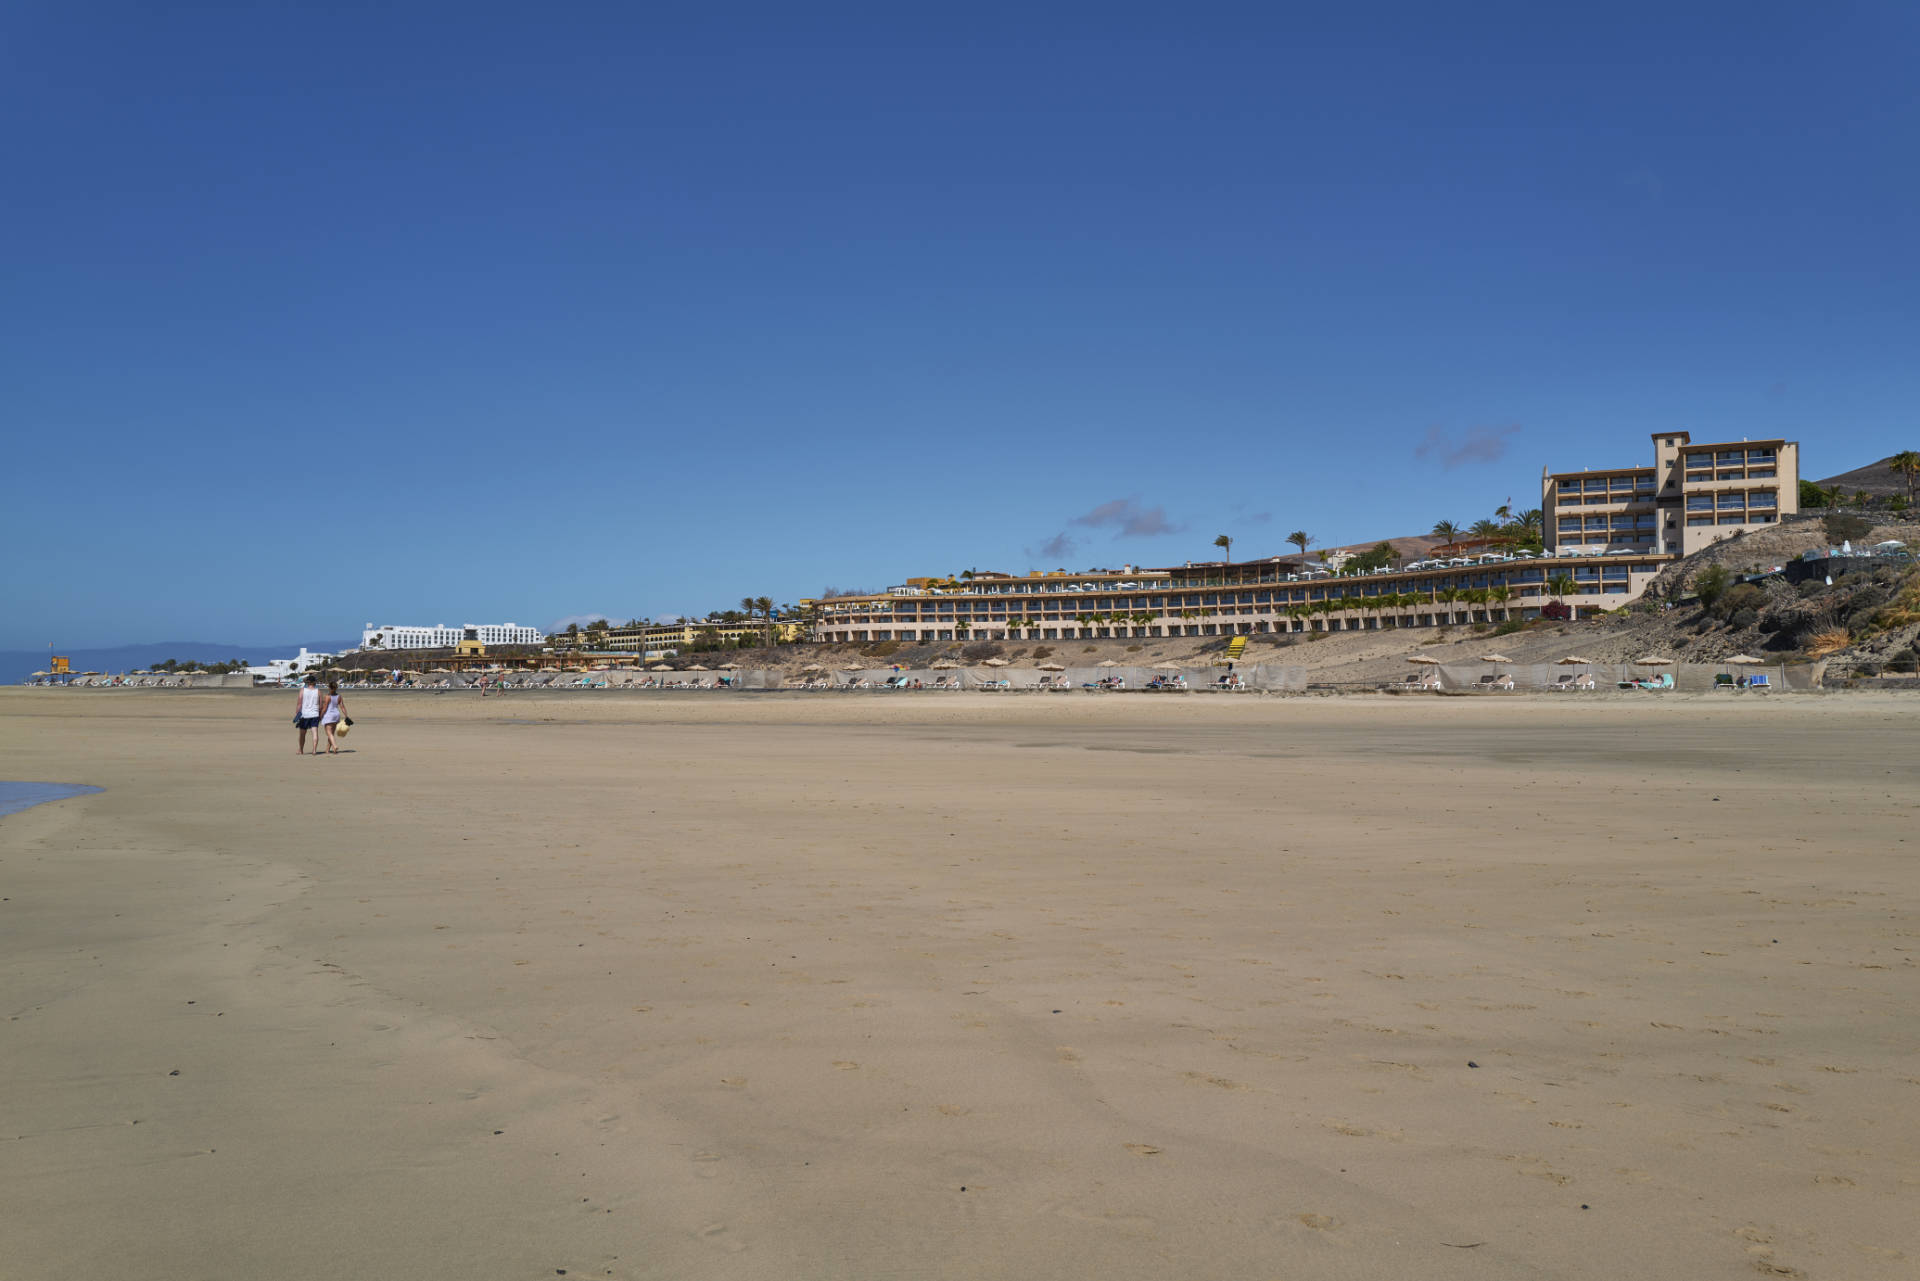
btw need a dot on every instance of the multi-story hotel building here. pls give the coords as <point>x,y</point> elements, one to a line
<point>653,637</point>
<point>1691,496</point>
<point>1224,599</point>
<point>1607,532</point>
<point>440,636</point>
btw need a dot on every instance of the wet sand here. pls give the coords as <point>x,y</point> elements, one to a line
<point>962,986</point>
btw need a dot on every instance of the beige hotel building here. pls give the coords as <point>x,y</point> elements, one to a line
<point>1692,496</point>
<point>1608,531</point>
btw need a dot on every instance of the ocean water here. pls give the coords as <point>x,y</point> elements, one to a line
<point>15,797</point>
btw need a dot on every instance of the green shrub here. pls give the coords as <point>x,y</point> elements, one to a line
<point>1845,528</point>
<point>1711,584</point>
<point>1744,618</point>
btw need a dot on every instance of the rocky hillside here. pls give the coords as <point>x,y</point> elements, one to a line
<point>1876,480</point>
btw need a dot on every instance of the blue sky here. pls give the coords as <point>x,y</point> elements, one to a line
<point>333,313</point>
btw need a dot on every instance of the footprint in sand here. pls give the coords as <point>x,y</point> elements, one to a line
<point>706,1164</point>
<point>1143,1149</point>
<point>846,1065</point>
<point>717,1234</point>
<point>1319,1222</point>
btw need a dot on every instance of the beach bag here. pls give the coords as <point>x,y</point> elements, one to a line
<point>340,730</point>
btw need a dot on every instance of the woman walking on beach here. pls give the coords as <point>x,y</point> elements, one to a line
<point>336,707</point>
<point>306,717</point>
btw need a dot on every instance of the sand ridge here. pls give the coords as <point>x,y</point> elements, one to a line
<point>754,987</point>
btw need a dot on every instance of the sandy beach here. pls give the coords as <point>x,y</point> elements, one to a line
<point>957,986</point>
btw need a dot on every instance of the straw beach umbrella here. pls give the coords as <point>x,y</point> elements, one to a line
<point>943,665</point>
<point>995,662</point>
<point>1425,660</point>
<point>1168,667</point>
<point>1108,662</point>
<point>1052,667</point>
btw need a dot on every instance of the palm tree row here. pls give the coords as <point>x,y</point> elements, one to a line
<point>1503,528</point>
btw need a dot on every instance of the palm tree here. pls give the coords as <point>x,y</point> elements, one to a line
<point>765,605</point>
<point>1225,541</point>
<point>1302,539</point>
<point>1500,596</point>
<point>1449,595</point>
<point>1561,585</point>
<point>1486,527</point>
<point>1906,465</point>
<point>1446,531</point>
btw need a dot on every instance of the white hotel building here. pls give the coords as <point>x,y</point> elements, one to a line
<point>440,636</point>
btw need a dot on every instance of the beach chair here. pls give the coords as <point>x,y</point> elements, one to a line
<point>1759,681</point>
<point>1564,681</point>
<point>1585,681</point>
<point>1725,681</point>
<point>1663,681</point>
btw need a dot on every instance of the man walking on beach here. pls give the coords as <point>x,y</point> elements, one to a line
<point>306,718</point>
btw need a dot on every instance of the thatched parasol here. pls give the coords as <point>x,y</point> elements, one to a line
<point>1168,667</point>
<point>1653,660</point>
<point>1108,662</point>
<point>1495,658</point>
<point>1052,667</point>
<point>729,667</point>
<point>995,662</point>
<point>1574,660</point>
<point>1426,660</point>
<point>853,669</point>
<point>1747,660</point>
<point>943,665</point>
<point>661,667</point>
<point>699,667</point>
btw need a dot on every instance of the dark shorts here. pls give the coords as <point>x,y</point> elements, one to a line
<point>306,722</point>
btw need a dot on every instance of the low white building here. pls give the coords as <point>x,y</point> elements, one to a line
<point>280,669</point>
<point>440,636</point>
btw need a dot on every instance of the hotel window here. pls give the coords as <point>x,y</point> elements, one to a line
<point>1760,473</point>
<point>1763,498</point>
<point>1623,522</point>
<point>1760,455</point>
<point>1596,522</point>
<point>1734,501</point>
<point>1736,518</point>
<point>1730,458</point>
<point>1699,502</point>
<point>1693,521</point>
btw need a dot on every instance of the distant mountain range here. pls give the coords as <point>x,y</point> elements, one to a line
<point>17,665</point>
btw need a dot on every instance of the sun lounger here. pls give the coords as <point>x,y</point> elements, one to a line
<point>1563,681</point>
<point>1726,682</point>
<point>1759,681</point>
